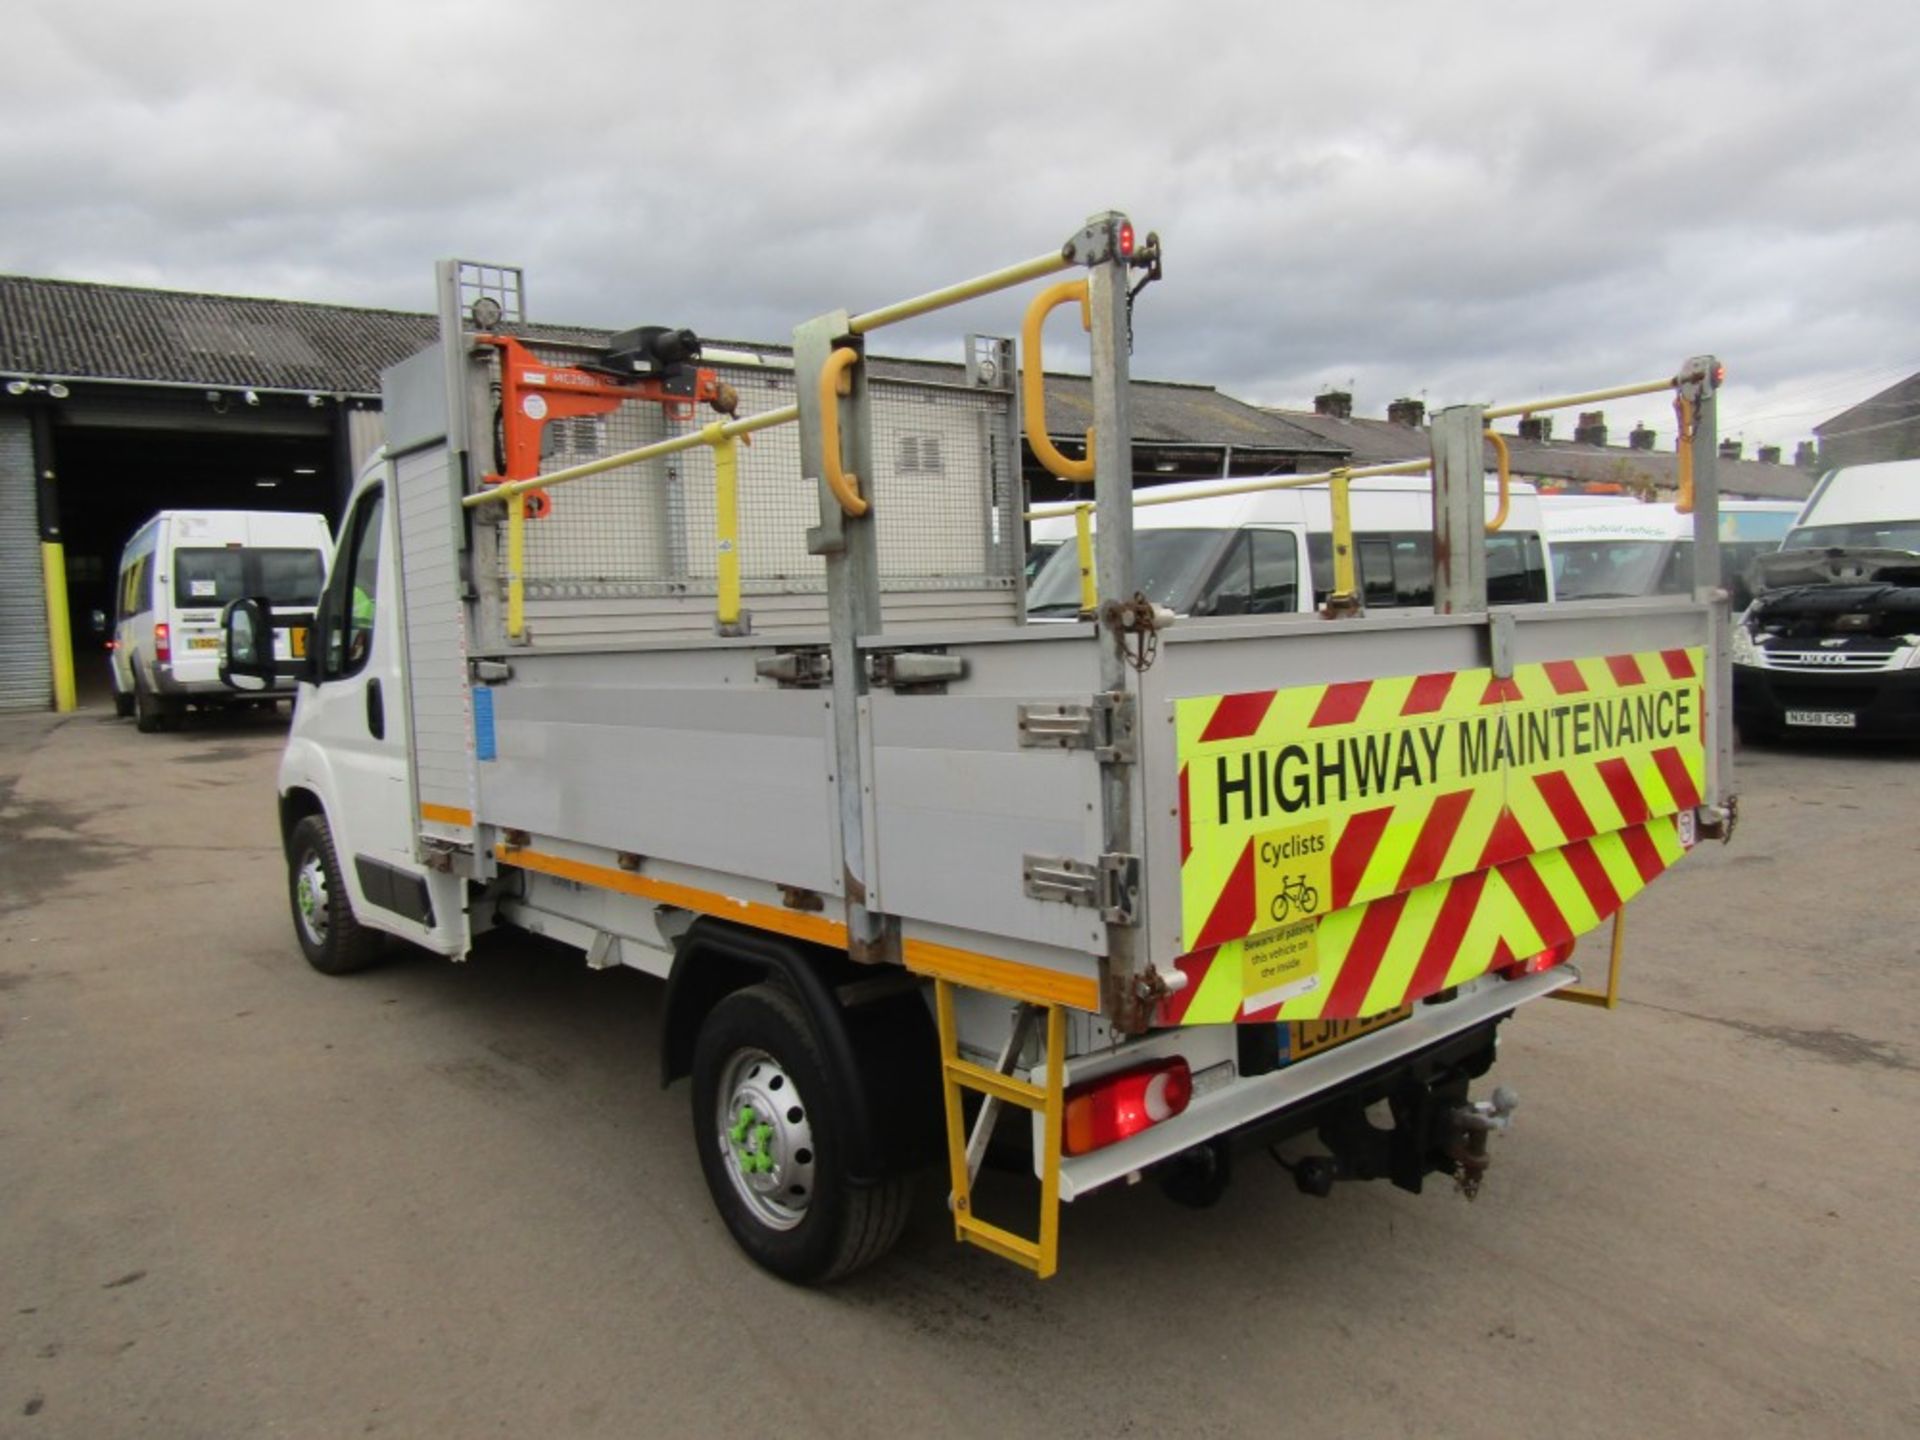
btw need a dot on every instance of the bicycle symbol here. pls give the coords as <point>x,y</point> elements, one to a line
<point>1294,894</point>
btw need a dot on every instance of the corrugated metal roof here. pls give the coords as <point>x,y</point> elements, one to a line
<point>72,328</point>
<point>115,332</point>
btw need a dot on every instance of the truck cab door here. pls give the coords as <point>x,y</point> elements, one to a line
<point>351,726</point>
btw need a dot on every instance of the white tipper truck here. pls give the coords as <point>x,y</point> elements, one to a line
<point>765,721</point>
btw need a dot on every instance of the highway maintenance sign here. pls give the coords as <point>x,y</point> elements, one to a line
<point>1349,848</point>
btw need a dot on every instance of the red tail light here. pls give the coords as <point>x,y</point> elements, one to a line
<point>162,644</point>
<point>1534,964</point>
<point>1105,1111</point>
<point>1126,239</point>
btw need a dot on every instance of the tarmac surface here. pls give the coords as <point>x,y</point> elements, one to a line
<point>238,1198</point>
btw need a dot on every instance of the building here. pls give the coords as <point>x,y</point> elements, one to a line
<point>116,402</point>
<point>1585,463</point>
<point>1885,426</point>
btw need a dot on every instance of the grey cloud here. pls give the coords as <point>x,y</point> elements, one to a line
<point>1465,202</point>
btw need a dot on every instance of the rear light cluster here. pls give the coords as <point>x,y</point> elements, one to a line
<point>1534,964</point>
<point>162,643</point>
<point>1108,1110</point>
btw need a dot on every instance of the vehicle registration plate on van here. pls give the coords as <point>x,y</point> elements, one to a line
<point>297,641</point>
<point>1824,719</point>
<point>1310,1037</point>
<point>204,642</point>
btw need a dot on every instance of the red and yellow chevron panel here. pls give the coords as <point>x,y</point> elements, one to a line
<point>1349,847</point>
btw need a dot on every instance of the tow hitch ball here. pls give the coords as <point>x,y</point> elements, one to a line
<point>1469,1126</point>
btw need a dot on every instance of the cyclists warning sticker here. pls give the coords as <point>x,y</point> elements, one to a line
<point>1305,811</point>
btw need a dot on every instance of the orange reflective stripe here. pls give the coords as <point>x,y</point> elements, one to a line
<point>799,925</point>
<point>1033,983</point>
<point>446,815</point>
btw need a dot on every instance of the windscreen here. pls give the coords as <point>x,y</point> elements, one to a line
<point>1861,535</point>
<point>1615,569</point>
<point>209,578</point>
<point>1168,568</point>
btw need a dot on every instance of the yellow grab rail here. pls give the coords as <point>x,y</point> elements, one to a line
<point>1083,539</point>
<point>1345,584</point>
<point>587,469</point>
<point>1033,380</point>
<point>726,527</point>
<point>1567,402</point>
<point>1506,480</point>
<point>835,381</point>
<point>1683,455</point>
<point>1051,263</point>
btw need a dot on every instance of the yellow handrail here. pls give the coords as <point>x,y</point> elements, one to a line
<point>1005,279</point>
<point>1083,538</point>
<point>1345,585</point>
<point>1683,455</point>
<point>1567,402</point>
<point>1252,486</point>
<point>1033,380</point>
<point>835,381</point>
<point>1506,481</point>
<point>766,420</point>
<point>726,527</point>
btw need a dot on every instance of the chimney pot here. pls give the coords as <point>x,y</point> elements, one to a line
<point>1536,427</point>
<point>1805,455</point>
<point>1730,449</point>
<point>1768,454</point>
<point>1592,429</point>
<point>1407,411</point>
<point>1337,403</point>
<point>1640,438</point>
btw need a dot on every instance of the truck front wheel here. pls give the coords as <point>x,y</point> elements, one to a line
<point>771,1134</point>
<point>334,942</point>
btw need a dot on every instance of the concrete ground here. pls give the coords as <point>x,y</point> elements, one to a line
<point>240,1199</point>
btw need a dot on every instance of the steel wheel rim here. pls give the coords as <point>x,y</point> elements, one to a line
<point>310,897</point>
<point>765,1134</point>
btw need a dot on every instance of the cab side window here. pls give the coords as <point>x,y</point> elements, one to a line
<point>353,595</point>
<point>1276,573</point>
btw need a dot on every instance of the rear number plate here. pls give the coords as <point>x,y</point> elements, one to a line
<point>204,642</point>
<point>1824,719</point>
<point>1310,1037</point>
<point>297,641</point>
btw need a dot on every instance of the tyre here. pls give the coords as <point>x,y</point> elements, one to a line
<point>334,942</point>
<point>122,704</point>
<point>150,713</point>
<point>771,1130</point>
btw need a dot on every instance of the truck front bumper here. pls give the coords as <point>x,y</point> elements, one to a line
<point>1885,704</point>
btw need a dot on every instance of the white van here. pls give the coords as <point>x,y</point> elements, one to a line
<point>176,574</point>
<point>1609,549</point>
<point>1189,555</point>
<point>1832,638</point>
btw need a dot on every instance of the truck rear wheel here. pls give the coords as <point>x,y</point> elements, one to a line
<point>333,941</point>
<point>771,1135</point>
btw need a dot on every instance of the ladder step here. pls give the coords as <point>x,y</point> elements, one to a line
<point>1004,1243</point>
<point>992,1082</point>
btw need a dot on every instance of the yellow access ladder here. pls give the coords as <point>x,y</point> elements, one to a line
<point>999,1086</point>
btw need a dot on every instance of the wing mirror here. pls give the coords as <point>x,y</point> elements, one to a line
<point>247,660</point>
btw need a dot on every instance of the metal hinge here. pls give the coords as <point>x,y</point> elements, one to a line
<point>1111,885</point>
<point>906,672</point>
<point>1106,727</point>
<point>796,669</point>
<point>492,672</point>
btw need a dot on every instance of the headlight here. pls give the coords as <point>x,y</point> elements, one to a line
<point>1745,652</point>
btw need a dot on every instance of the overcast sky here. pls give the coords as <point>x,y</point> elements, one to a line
<point>1465,201</point>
